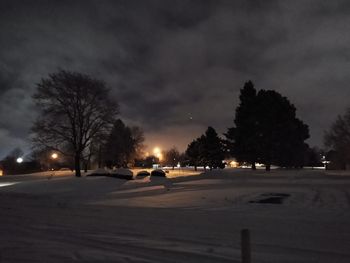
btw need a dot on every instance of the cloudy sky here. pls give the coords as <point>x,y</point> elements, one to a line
<point>177,66</point>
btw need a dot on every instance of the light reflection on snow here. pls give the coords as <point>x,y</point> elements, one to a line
<point>140,189</point>
<point>6,184</point>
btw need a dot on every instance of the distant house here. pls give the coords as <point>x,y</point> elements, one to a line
<point>231,163</point>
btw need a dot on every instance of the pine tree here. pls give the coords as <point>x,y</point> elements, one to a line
<point>193,153</point>
<point>281,135</point>
<point>122,144</point>
<point>213,152</point>
<point>242,139</point>
<point>267,130</point>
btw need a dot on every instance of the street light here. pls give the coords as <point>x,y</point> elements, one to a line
<point>158,153</point>
<point>156,150</point>
<point>19,160</point>
<point>53,156</point>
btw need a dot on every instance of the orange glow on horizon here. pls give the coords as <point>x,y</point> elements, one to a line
<point>158,153</point>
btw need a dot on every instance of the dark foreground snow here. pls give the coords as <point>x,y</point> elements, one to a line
<point>187,219</point>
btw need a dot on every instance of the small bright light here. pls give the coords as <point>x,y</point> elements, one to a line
<point>233,164</point>
<point>54,156</point>
<point>19,160</point>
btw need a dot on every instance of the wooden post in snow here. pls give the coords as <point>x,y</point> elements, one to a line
<point>245,246</point>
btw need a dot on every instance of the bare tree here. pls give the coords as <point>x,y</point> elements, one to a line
<point>138,142</point>
<point>337,139</point>
<point>75,109</point>
<point>172,157</point>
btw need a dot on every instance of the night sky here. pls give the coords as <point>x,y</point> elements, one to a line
<point>177,66</point>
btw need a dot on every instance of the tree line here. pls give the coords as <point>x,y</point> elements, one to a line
<point>78,118</point>
<point>266,131</point>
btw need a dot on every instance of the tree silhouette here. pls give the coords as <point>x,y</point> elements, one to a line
<point>337,139</point>
<point>213,152</point>
<point>242,139</point>
<point>172,157</point>
<point>123,145</point>
<point>314,157</point>
<point>266,130</point>
<point>74,109</point>
<point>138,138</point>
<point>206,150</point>
<point>194,153</point>
<point>9,163</point>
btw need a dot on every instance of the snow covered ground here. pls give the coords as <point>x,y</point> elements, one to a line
<point>293,216</point>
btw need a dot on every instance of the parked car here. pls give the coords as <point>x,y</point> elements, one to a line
<point>158,172</point>
<point>143,173</point>
<point>122,173</point>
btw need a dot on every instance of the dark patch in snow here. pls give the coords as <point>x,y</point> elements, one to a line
<point>271,198</point>
<point>276,194</point>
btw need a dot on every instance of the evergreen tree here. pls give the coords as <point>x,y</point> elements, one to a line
<point>242,139</point>
<point>207,150</point>
<point>281,135</point>
<point>122,145</point>
<point>194,153</point>
<point>267,130</point>
<point>314,157</point>
<point>213,151</point>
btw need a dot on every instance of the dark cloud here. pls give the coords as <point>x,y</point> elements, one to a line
<point>177,66</point>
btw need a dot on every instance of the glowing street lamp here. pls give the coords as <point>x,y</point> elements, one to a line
<point>50,165</point>
<point>19,160</point>
<point>156,150</point>
<point>158,153</point>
